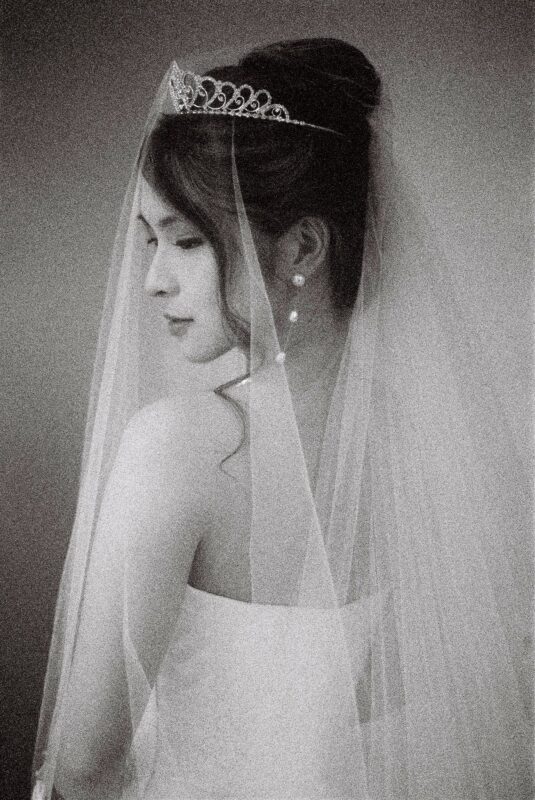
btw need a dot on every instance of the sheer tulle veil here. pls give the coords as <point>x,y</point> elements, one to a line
<point>413,541</point>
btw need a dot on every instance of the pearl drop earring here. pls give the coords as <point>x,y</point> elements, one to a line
<point>298,281</point>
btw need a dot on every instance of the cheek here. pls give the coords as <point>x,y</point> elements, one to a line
<point>238,290</point>
<point>200,276</point>
<point>208,295</point>
<point>208,306</point>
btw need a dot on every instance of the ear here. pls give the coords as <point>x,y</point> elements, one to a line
<point>303,248</point>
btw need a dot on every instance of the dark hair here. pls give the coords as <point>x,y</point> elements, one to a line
<point>285,171</point>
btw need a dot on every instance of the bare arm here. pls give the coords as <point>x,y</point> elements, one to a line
<point>150,521</point>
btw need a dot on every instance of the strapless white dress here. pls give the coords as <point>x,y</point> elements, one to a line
<point>253,701</point>
<point>257,702</point>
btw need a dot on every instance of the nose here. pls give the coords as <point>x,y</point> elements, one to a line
<point>161,279</point>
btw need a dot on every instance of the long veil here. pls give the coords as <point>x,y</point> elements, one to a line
<point>411,547</point>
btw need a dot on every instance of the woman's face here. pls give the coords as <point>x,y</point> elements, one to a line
<point>183,278</point>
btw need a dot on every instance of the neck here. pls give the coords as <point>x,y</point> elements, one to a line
<point>314,351</point>
<point>313,347</point>
<point>314,343</point>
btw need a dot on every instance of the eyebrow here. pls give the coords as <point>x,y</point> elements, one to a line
<point>163,223</point>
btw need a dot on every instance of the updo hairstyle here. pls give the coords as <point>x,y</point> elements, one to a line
<point>286,172</point>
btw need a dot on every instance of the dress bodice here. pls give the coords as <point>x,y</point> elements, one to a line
<point>254,701</point>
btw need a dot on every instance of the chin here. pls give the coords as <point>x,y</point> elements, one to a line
<point>199,355</point>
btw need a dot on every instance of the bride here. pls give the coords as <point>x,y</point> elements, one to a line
<point>299,565</point>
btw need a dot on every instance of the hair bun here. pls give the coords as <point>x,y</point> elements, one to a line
<point>324,81</point>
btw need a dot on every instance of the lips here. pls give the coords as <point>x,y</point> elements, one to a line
<point>177,325</point>
<point>176,318</point>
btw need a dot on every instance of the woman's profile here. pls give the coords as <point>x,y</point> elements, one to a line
<point>299,564</point>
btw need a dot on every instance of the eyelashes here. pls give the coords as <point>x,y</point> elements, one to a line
<point>187,243</point>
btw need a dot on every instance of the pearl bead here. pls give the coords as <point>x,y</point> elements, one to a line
<point>280,357</point>
<point>298,279</point>
<point>293,316</point>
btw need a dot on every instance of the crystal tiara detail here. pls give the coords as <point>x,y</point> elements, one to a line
<point>202,94</point>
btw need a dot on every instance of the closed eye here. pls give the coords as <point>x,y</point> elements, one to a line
<point>152,240</point>
<point>189,243</point>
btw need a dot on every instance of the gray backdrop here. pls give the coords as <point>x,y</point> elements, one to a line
<point>78,79</point>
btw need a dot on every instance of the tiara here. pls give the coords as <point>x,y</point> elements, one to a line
<point>202,94</point>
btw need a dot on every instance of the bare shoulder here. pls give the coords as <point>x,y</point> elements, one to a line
<point>166,472</point>
<point>193,430</point>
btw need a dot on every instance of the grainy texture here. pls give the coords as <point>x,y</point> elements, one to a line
<point>77,81</point>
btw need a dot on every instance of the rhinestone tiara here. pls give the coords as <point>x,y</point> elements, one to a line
<point>202,94</point>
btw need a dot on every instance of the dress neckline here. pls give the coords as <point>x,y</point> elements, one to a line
<point>221,599</point>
